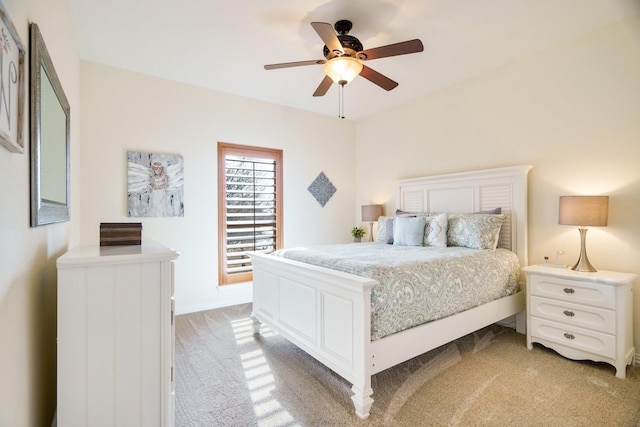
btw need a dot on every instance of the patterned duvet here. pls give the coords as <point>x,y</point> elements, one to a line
<point>418,284</point>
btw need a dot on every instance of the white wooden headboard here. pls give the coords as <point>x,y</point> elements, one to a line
<point>474,191</point>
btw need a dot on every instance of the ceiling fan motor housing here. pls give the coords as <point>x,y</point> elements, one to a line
<point>350,44</point>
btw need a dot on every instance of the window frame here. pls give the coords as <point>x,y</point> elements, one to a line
<point>225,149</point>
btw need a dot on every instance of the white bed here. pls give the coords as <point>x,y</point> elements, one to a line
<point>327,313</point>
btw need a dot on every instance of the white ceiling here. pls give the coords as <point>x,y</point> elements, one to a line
<point>223,45</point>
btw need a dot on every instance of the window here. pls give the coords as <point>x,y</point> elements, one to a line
<point>249,207</point>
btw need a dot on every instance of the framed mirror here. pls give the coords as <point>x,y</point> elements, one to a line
<point>50,128</point>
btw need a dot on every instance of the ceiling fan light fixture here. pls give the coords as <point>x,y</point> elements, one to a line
<point>342,69</point>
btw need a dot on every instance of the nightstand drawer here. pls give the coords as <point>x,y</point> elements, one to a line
<point>573,291</point>
<point>578,338</point>
<point>597,319</point>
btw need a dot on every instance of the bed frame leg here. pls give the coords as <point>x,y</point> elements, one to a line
<point>362,399</point>
<point>521,323</point>
<point>256,325</point>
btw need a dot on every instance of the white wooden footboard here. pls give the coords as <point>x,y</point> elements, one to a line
<point>326,313</point>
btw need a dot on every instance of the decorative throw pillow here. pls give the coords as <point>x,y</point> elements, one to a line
<point>382,229</point>
<point>385,230</point>
<point>388,237</point>
<point>476,231</point>
<point>409,231</point>
<point>493,211</point>
<point>435,233</point>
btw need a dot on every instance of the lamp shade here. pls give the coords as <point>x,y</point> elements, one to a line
<point>584,210</point>
<point>371,213</point>
<point>342,69</point>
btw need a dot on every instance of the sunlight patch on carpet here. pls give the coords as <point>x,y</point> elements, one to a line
<point>260,380</point>
<point>243,331</point>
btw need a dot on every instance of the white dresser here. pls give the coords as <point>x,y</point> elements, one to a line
<point>115,336</point>
<point>582,315</point>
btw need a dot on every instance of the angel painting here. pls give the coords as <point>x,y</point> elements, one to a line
<point>155,185</point>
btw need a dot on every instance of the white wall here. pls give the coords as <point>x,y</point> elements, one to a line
<point>27,255</point>
<point>573,112</point>
<point>124,111</point>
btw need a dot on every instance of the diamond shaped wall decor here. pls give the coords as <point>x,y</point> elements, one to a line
<point>322,189</point>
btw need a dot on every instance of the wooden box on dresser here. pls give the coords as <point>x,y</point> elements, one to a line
<point>116,336</point>
<point>582,316</point>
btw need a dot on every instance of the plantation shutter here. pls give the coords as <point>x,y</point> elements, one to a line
<point>250,209</point>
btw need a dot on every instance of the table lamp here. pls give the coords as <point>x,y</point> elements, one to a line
<point>370,214</point>
<point>583,211</point>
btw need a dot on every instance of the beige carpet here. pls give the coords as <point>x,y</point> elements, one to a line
<point>227,377</point>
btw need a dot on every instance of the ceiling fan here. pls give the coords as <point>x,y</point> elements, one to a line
<point>344,55</point>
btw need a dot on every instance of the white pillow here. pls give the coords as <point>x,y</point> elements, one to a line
<point>409,231</point>
<point>435,233</point>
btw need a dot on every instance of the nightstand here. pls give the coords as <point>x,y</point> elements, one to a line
<point>582,315</point>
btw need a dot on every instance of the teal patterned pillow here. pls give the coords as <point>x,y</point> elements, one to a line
<point>475,231</point>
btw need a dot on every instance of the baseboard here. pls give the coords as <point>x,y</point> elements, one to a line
<point>225,303</point>
<point>220,296</point>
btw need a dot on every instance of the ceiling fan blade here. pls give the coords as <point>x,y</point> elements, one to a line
<point>402,48</point>
<point>323,87</point>
<point>294,64</point>
<point>328,36</point>
<point>376,78</point>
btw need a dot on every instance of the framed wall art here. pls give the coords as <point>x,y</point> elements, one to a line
<point>154,185</point>
<point>12,85</point>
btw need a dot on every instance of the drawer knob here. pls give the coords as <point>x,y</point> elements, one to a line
<point>569,313</point>
<point>569,336</point>
<point>569,290</point>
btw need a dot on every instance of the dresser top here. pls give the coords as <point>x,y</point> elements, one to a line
<point>602,276</point>
<point>149,251</point>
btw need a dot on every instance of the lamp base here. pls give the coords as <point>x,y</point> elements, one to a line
<point>583,263</point>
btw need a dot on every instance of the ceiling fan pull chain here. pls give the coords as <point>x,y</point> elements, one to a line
<point>341,101</point>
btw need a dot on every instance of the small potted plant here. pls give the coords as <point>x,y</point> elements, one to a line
<point>357,233</point>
